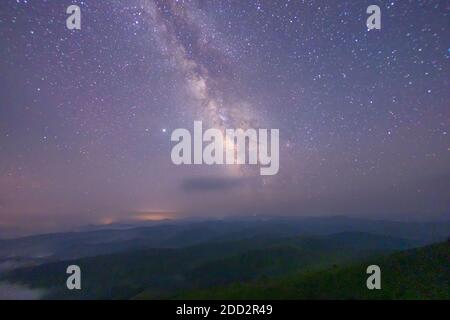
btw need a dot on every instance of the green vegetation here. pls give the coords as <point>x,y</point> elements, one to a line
<point>421,273</point>
<point>258,267</point>
<point>159,273</point>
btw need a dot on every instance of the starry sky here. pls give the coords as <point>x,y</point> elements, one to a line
<point>86,115</point>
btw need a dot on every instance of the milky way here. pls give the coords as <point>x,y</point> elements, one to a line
<point>86,115</point>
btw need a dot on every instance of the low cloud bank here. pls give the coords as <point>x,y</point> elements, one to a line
<point>11,264</point>
<point>9,291</point>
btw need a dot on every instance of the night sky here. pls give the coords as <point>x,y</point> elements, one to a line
<point>86,115</point>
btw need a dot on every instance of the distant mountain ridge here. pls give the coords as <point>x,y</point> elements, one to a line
<point>70,245</point>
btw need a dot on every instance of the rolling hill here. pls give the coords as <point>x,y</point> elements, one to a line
<point>178,234</point>
<point>420,273</point>
<point>161,272</point>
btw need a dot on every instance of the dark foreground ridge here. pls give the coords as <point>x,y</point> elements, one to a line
<point>420,273</point>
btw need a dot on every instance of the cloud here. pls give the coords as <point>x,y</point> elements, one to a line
<point>210,184</point>
<point>9,291</point>
<point>11,264</point>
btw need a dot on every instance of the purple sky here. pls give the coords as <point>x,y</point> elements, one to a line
<point>86,115</point>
